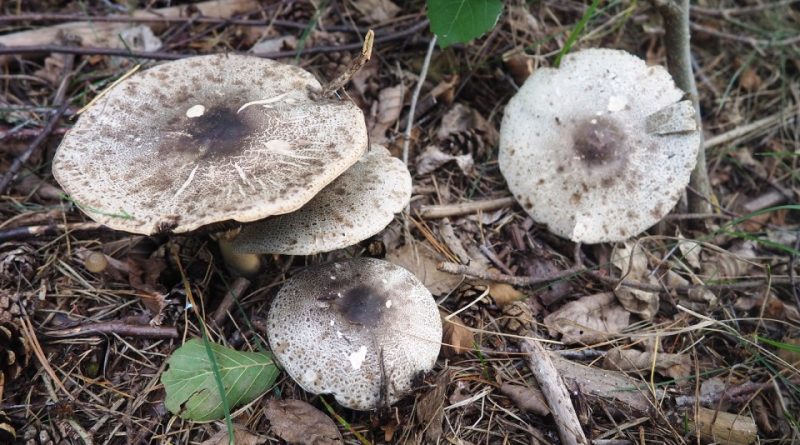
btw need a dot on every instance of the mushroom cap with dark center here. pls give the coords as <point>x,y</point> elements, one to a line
<point>360,329</point>
<point>358,204</point>
<point>206,139</point>
<point>599,149</point>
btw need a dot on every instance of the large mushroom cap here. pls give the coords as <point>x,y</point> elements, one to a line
<point>358,204</point>
<point>355,329</point>
<point>600,148</point>
<point>207,139</point>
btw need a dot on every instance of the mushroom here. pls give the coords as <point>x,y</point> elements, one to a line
<point>358,204</point>
<point>207,139</point>
<point>599,149</point>
<point>360,329</point>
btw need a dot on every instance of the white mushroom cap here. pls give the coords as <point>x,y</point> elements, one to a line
<point>330,325</point>
<point>207,139</point>
<point>358,204</point>
<point>599,149</point>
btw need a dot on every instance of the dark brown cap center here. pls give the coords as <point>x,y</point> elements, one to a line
<point>598,141</point>
<point>362,305</point>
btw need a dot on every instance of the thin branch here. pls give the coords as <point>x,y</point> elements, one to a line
<point>118,327</point>
<point>415,97</point>
<point>465,208</point>
<point>675,14</point>
<point>237,289</point>
<point>18,233</point>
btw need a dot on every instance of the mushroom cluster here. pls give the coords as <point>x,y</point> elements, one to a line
<point>360,330</point>
<point>209,139</point>
<point>600,148</point>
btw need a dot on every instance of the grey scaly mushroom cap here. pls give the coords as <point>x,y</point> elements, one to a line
<point>207,139</point>
<point>599,149</point>
<point>358,204</point>
<point>356,329</point>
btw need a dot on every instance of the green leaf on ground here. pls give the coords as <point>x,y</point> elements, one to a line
<point>459,21</point>
<point>192,391</point>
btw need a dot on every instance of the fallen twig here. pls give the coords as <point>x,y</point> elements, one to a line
<point>18,233</point>
<point>235,292</point>
<point>115,327</point>
<point>415,97</point>
<point>555,392</point>
<point>464,208</point>
<point>462,269</point>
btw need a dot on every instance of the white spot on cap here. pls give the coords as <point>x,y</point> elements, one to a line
<point>279,146</point>
<point>333,277</point>
<point>357,358</point>
<point>332,322</point>
<point>309,376</point>
<point>617,103</point>
<point>195,111</point>
<point>339,334</point>
<point>388,304</point>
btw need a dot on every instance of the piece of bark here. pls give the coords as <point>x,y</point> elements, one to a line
<point>100,33</point>
<point>725,428</point>
<point>529,399</point>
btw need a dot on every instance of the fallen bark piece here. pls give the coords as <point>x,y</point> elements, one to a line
<point>725,428</point>
<point>612,388</point>
<point>569,428</point>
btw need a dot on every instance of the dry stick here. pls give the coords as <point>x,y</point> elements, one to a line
<point>415,97</point>
<point>115,327</point>
<point>20,160</point>
<point>675,14</point>
<point>237,289</point>
<point>18,233</point>
<point>554,390</point>
<point>156,55</point>
<point>472,271</point>
<point>464,208</point>
<point>744,130</point>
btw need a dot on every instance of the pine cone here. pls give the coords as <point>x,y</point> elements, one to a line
<point>14,351</point>
<point>518,319</point>
<point>17,263</point>
<point>12,305</point>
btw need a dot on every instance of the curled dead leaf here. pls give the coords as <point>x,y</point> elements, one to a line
<point>433,158</point>
<point>457,338</point>
<point>526,398</point>
<point>430,408</point>
<point>241,436</point>
<point>631,260</point>
<point>669,365</point>
<point>421,260</point>
<point>590,319</point>
<point>390,104</point>
<point>297,422</point>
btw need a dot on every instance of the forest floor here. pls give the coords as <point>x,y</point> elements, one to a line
<point>704,331</point>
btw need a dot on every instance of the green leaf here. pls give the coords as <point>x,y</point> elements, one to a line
<point>192,391</point>
<point>459,21</point>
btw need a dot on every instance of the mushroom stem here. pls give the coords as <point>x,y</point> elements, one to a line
<point>675,14</point>
<point>246,264</point>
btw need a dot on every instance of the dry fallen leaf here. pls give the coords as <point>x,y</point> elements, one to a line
<point>457,338</point>
<point>504,294</point>
<point>433,158</point>
<point>295,421</point>
<point>630,258</point>
<point>669,365</point>
<point>526,398</point>
<point>241,436</point>
<point>590,319</point>
<point>376,11</point>
<point>430,408</point>
<point>421,260</point>
<point>390,104</point>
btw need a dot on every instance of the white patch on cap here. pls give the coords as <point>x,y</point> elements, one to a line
<point>309,376</point>
<point>279,146</point>
<point>617,103</point>
<point>388,304</point>
<point>357,358</point>
<point>195,111</point>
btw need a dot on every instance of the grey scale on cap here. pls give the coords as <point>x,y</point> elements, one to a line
<point>360,330</point>
<point>599,149</point>
<point>358,204</point>
<point>206,139</point>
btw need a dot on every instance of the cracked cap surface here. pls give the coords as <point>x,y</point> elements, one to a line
<point>599,149</point>
<point>206,139</point>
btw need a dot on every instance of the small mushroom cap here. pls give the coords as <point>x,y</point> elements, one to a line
<point>330,326</point>
<point>207,139</point>
<point>599,149</point>
<point>358,204</point>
